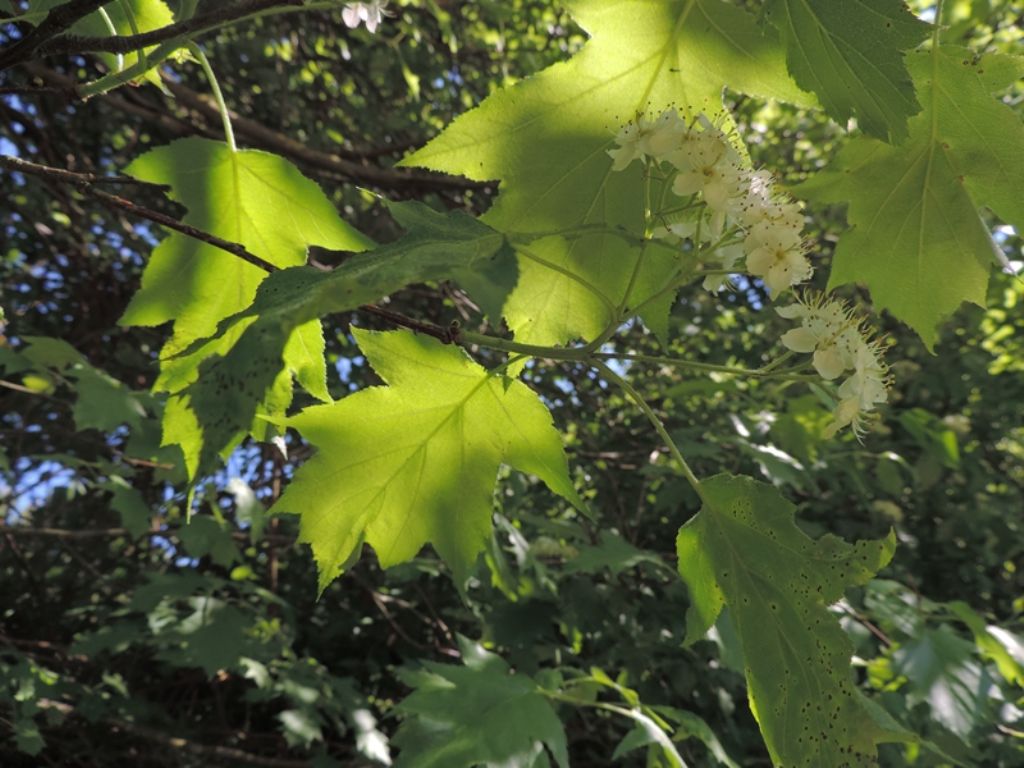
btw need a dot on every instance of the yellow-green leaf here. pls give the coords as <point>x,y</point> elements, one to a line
<point>415,462</point>
<point>546,139</point>
<point>916,238</point>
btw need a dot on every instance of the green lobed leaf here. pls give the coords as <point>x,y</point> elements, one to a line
<point>477,714</point>
<point>851,56</point>
<point>546,140</point>
<point>416,461</point>
<point>221,383</point>
<point>249,197</point>
<point>916,238</point>
<point>744,550</point>
<point>263,202</point>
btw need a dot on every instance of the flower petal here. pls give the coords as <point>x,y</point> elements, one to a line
<point>799,340</point>
<point>688,183</point>
<point>791,311</point>
<point>760,260</point>
<point>828,362</point>
<point>716,193</point>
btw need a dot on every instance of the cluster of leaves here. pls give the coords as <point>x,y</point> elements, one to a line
<point>580,596</point>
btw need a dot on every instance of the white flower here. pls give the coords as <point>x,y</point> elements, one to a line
<point>859,394</point>
<point>370,13</point>
<point>829,330</point>
<point>643,138</point>
<point>629,149</point>
<point>708,165</point>
<point>776,254</point>
<point>774,240</point>
<point>869,380</point>
<point>762,204</point>
<point>717,181</point>
<point>840,341</point>
<point>663,135</point>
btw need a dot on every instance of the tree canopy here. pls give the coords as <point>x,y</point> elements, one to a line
<point>447,384</point>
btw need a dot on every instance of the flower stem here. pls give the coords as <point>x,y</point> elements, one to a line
<point>575,354</point>
<point>675,362</point>
<point>579,229</point>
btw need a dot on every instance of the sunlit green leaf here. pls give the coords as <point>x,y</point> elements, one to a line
<point>241,369</point>
<point>249,197</point>
<point>546,140</point>
<point>916,238</point>
<point>416,462</point>
<point>263,202</point>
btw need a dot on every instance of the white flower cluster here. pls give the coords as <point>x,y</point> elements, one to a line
<point>370,14</point>
<point>703,162</point>
<point>840,342</point>
<point>747,217</point>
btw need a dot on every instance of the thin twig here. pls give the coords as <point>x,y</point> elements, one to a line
<point>658,425</point>
<point>867,624</point>
<point>235,249</point>
<point>315,160</point>
<point>24,390</point>
<point>342,164</point>
<point>24,90</point>
<point>86,182</point>
<point>71,177</point>
<point>444,335</point>
<point>65,534</point>
<point>56,21</point>
<point>189,27</point>
<point>40,647</point>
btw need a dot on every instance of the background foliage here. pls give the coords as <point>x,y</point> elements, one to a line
<point>129,634</point>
